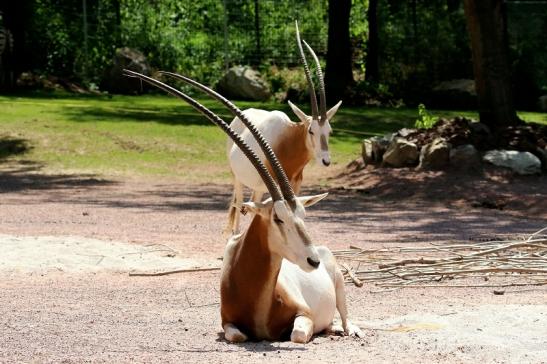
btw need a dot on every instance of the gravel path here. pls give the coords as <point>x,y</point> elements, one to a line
<point>59,314</point>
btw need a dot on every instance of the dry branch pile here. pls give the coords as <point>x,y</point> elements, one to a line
<point>500,263</point>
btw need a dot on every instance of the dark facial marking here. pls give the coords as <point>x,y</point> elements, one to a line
<point>303,234</point>
<point>324,143</point>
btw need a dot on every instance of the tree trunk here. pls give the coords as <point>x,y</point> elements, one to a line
<point>15,19</point>
<point>339,74</point>
<point>258,57</point>
<point>487,28</point>
<point>372,73</point>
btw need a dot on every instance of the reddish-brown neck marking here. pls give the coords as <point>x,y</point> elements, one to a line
<point>293,153</point>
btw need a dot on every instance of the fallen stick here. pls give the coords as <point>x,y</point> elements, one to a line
<point>479,270</point>
<point>502,285</point>
<point>155,274</point>
<point>408,261</point>
<point>354,279</point>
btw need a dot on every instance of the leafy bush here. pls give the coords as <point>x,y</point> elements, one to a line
<point>425,120</point>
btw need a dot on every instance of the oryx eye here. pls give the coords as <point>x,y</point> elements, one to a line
<point>277,220</point>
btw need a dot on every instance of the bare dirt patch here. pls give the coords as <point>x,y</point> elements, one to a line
<point>107,316</point>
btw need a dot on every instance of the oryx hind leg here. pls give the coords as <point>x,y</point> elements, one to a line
<point>347,328</point>
<point>233,211</point>
<point>341,305</point>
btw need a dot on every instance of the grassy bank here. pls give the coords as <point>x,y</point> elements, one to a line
<point>154,135</point>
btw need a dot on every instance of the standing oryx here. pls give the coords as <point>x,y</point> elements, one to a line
<point>275,282</point>
<point>295,144</point>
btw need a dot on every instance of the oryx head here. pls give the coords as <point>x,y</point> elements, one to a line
<point>318,124</point>
<point>282,214</point>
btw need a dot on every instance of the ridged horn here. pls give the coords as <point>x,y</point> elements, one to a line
<point>249,153</point>
<point>284,183</point>
<point>322,96</point>
<point>311,88</point>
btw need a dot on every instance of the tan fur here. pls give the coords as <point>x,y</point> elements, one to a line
<point>251,299</point>
<point>293,153</point>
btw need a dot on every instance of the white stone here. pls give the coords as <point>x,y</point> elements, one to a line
<point>519,162</point>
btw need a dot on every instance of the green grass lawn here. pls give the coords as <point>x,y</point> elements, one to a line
<point>155,135</point>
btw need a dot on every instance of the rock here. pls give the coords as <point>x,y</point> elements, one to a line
<point>114,81</point>
<point>401,153</point>
<point>519,162</point>
<point>459,94</point>
<point>366,152</point>
<point>243,83</point>
<point>404,132</point>
<point>373,149</point>
<point>435,155</point>
<point>465,157</point>
<point>542,103</point>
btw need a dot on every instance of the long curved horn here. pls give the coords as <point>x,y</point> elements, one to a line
<point>284,183</point>
<point>311,88</point>
<point>249,153</point>
<point>322,96</point>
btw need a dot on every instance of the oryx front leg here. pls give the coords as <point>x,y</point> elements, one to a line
<point>302,330</point>
<point>233,335</point>
<point>349,328</point>
<point>234,209</point>
<point>256,196</point>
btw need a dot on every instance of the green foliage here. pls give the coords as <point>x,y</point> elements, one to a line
<point>421,42</point>
<point>197,38</point>
<point>425,119</point>
<point>421,46</point>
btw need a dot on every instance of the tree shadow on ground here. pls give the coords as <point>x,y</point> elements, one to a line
<point>169,115</point>
<point>28,175</point>
<point>409,205</point>
<point>13,146</point>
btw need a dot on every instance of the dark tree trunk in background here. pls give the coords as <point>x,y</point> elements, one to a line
<point>414,6</point>
<point>258,57</point>
<point>339,74</point>
<point>15,18</point>
<point>487,28</point>
<point>118,30</point>
<point>372,73</point>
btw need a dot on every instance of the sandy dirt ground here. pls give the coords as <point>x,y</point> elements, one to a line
<point>67,244</point>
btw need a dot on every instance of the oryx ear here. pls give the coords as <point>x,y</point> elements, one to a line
<point>311,200</point>
<point>299,113</point>
<point>333,110</point>
<point>256,207</point>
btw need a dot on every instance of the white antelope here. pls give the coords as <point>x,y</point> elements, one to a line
<point>274,281</point>
<point>295,144</point>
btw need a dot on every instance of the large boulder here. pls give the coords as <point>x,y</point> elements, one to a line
<point>519,162</point>
<point>373,149</point>
<point>125,58</point>
<point>458,94</point>
<point>243,83</point>
<point>434,155</point>
<point>465,158</point>
<point>401,153</point>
